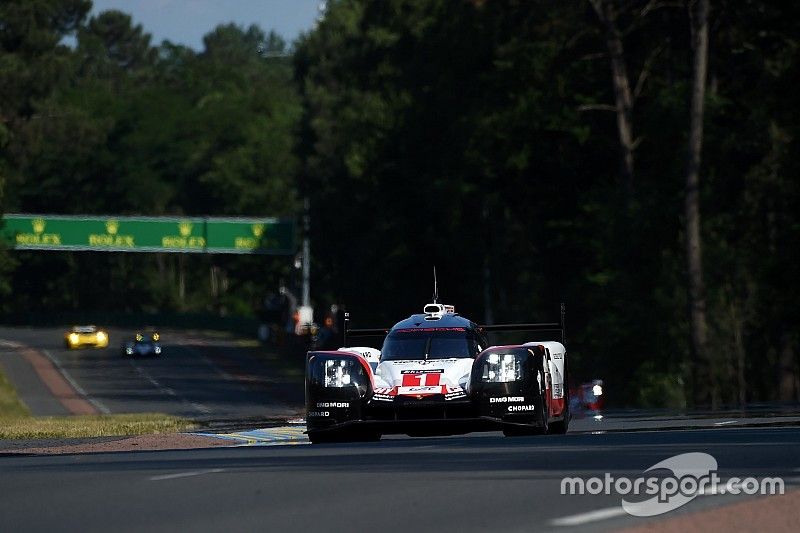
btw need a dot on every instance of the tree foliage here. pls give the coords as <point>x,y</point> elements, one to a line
<point>483,138</point>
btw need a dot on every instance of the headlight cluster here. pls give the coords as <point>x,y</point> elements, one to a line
<point>74,338</point>
<point>157,349</point>
<point>501,368</point>
<point>337,373</point>
<point>101,336</point>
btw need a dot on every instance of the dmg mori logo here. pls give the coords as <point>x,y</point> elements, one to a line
<point>38,225</point>
<point>258,230</point>
<point>185,229</point>
<point>112,226</point>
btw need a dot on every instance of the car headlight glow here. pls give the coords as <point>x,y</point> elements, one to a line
<point>74,338</point>
<point>337,373</point>
<point>157,349</point>
<point>502,368</point>
<point>129,350</point>
<point>597,390</point>
<point>101,336</point>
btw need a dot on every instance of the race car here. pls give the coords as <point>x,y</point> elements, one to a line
<point>588,397</point>
<point>436,375</point>
<point>82,336</point>
<point>143,345</point>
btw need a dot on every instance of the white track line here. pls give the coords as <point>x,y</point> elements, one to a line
<point>591,516</point>
<point>9,344</point>
<point>167,390</point>
<point>187,474</point>
<point>97,403</point>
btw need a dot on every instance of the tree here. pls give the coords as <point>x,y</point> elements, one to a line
<point>623,96</point>
<point>704,389</point>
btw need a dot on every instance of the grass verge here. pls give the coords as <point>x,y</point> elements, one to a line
<point>16,421</point>
<point>10,406</point>
<point>91,426</point>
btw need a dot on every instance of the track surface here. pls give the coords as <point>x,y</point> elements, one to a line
<point>472,483</point>
<point>476,482</point>
<point>197,377</point>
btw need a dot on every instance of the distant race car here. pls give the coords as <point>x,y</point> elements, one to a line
<point>588,396</point>
<point>82,336</point>
<point>436,375</point>
<point>143,345</point>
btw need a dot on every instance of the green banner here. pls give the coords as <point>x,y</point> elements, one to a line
<point>144,234</point>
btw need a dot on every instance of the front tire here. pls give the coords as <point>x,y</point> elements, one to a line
<point>542,407</point>
<point>521,431</point>
<point>343,435</point>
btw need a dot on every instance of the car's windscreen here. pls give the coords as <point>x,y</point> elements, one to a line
<point>429,343</point>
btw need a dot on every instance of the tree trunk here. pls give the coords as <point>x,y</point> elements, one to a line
<point>488,308</point>
<point>623,98</point>
<point>488,311</point>
<point>704,390</point>
<point>182,282</point>
<point>787,368</point>
<point>740,354</point>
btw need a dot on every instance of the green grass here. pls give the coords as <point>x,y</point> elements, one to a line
<point>10,405</point>
<point>91,426</point>
<point>16,421</point>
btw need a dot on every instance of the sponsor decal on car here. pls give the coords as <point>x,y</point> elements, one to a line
<point>418,390</point>
<point>428,379</point>
<point>382,397</point>
<point>330,405</point>
<point>517,408</point>
<point>319,413</point>
<point>507,399</point>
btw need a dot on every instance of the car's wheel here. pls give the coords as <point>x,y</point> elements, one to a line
<point>521,431</point>
<point>542,407</point>
<point>323,437</point>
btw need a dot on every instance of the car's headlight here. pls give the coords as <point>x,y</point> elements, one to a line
<point>101,336</point>
<point>157,349</point>
<point>501,368</point>
<point>348,373</point>
<point>129,350</point>
<point>337,373</point>
<point>74,338</point>
<point>597,390</point>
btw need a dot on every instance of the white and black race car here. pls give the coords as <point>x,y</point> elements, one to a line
<point>436,375</point>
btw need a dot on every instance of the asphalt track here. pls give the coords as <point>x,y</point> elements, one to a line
<point>199,376</point>
<point>476,482</point>
<point>471,483</point>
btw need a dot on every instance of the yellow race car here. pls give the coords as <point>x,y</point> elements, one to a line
<point>81,336</point>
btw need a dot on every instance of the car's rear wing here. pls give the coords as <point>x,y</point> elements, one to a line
<point>347,332</point>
